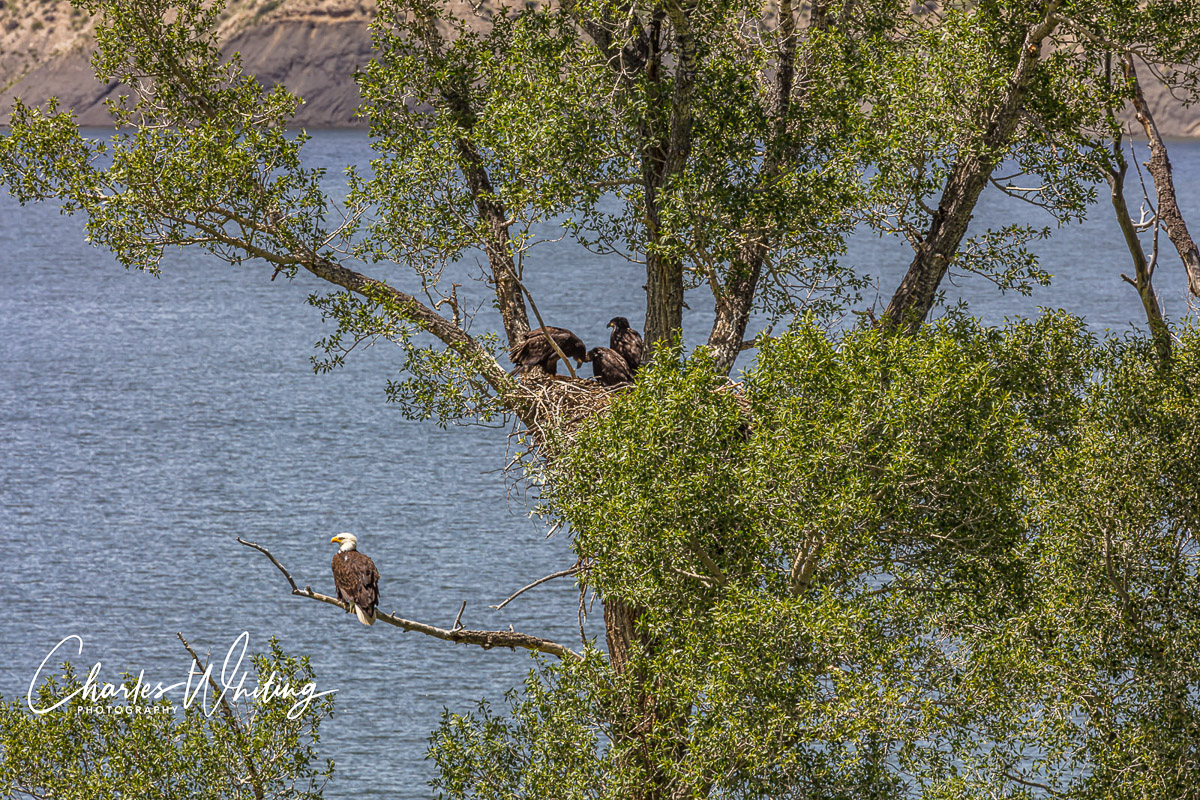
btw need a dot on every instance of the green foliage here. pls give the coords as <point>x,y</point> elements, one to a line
<point>957,563</point>
<point>522,115</point>
<point>92,748</point>
<point>203,158</point>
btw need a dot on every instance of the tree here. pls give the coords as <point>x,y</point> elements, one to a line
<point>928,566</point>
<point>88,746</point>
<point>730,148</point>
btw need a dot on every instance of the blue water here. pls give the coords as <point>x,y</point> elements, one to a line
<point>145,422</point>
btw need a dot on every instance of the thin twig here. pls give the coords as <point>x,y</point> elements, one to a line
<point>231,715</point>
<point>561,574</point>
<point>458,618</point>
<point>542,325</point>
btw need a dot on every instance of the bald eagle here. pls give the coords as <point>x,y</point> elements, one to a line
<point>626,341</point>
<point>356,578</point>
<point>535,352</point>
<point>609,367</point>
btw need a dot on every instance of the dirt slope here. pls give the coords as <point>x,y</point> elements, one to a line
<point>311,46</point>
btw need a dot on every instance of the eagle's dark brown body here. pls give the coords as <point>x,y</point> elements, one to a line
<point>535,352</point>
<point>357,582</point>
<point>628,342</point>
<point>609,367</point>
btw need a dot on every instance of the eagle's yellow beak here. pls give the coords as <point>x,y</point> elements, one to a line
<point>336,539</point>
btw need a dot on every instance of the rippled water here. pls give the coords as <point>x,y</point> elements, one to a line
<point>144,423</point>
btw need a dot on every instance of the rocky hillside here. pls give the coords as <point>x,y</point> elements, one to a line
<point>311,46</point>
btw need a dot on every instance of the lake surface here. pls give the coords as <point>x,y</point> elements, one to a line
<point>146,422</point>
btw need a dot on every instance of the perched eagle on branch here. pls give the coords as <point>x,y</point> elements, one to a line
<point>609,367</point>
<point>534,350</point>
<point>626,341</point>
<point>356,579</point>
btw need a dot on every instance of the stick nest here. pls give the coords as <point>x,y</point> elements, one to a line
<point>561,405</point>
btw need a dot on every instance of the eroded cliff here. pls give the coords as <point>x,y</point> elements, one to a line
<point>310,46</point>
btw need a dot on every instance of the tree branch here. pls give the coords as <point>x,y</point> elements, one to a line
<point>1144,268</point>
<point>706,560</point>
<point>542,326</point>
<point>973,165</point>
<point>735,300</point>
<point>1164,183</point>
<point>561,574</point>
<point>485,639</point>
<point>405,304</point>
<point>231,716</point>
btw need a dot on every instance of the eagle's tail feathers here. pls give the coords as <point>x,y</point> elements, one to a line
<point>363,616</point>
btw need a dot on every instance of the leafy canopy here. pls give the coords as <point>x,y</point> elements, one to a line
<point>96,748</point>
<point>949,565</point>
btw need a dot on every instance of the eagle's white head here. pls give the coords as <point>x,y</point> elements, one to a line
<point>349,541</point>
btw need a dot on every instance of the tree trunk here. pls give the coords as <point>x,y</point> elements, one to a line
<point>496,244</point>
<point>491,212</point>
<point>494,222</point>
<point>917,291</point>
<point>735,300</point>
<point>1164,184</point>
<point>1143,269</point>
<point>649,723</point>
<point>914,298</point>
<point>664,300</point>
<point>665,157</point>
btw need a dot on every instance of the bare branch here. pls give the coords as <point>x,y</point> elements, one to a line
<point>485,639</point>
<point>1164,182</point>
<point>542,325</point>
<point>231,715</point>
<point>561,574</point>
<point>458,619</point>
<point>1144,268</point>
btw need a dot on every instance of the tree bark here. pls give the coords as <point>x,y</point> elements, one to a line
<point>664,157</point>
<point>1164,183</point>
<point>735,300</point>
<point>666,133</point>
<point>1143,269</point>
<point>493,216</point>
<point>651,724</point>
<point>914,298</point>
<point>491,212</point>
<point>734,303</point>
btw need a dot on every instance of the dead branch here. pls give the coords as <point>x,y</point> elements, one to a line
<point>561,574</point>
<point>458,618</point>
<point>542,326</point>
<point>485,639</point>
<point>1143,266</point>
